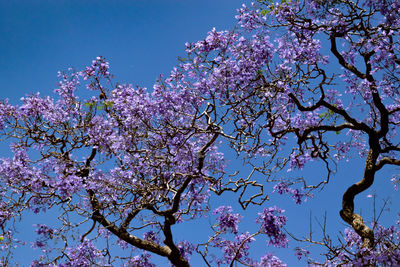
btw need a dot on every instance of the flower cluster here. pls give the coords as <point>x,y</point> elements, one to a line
<point>237,250</point>
<point>271,222</point>
<point>98,69</point>
<point>227,221</point>
<point>142,260</point>
<point>46,233</point>
<point>284,188</point>
<point>384,253</point>
<point>270,260</point>
<point>84,254</point>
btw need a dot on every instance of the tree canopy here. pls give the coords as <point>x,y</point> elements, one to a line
<point>295,82</point>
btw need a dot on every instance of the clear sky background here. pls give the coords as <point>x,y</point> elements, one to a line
<point>142,39</point>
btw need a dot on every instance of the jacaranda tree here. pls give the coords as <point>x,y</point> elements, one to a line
<point>296,81</point>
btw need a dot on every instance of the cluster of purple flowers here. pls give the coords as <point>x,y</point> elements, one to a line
<point>272,222</point>
<point>226,220</point>
<point>385,252</point>
<point>142,260</point>
<point>284,188</point>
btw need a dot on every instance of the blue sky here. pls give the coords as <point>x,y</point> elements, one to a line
<point>142,39</point>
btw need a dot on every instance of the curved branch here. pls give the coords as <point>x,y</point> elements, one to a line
<point>321,102</point>
<point>376,98</point>
<point>375,95</point>
<point>390,148</point>
<point>201,157</point>
<point>172,254</point>
<point>386,160</point>
<point>347,212</point>
<point>309,108</point>
<point>360,125</point>
<point>129,218</point>
<point>175,255</point>
<point>331,128</point>
<point>170,250</point>
<point>133,240</point>
<point>341,59</point>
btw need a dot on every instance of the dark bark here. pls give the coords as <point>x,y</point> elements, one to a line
<point>347,212</point>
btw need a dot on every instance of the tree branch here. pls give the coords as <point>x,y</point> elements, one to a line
<point>347,212</point>
<point>386,160</point>
<point>341,59</point>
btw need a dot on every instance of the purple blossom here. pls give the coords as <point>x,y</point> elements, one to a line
<point>226,220</point>
<point>385,252</point>
<point>99,69</point>
<point>283,188</point>
<point>44,230</point>
<point>270,260</point>
<point>150,236</point>
<point>84,254</point>
<point>300,252</point>
<point>142,260</point>
<point>298,161</point>
<point>249,18</point>
<point>186,249</point>
<point>235,250</point>
<point>271,223</point>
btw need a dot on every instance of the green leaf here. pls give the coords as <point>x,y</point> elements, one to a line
<point>89,104</point>
<point>265,12</point>
<point>108,104</point>
<point>328,115</point>
<point>260,72</point>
